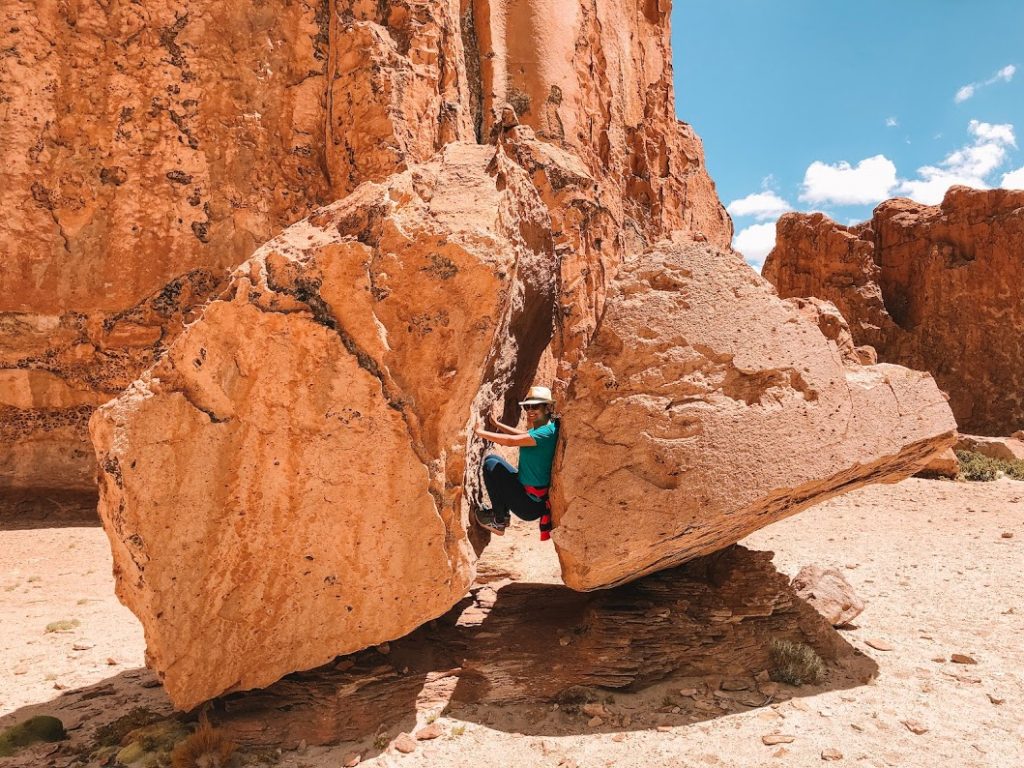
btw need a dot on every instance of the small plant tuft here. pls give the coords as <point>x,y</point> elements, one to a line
<point>457,731</point>
<point>794,663</point>
<point>979,468</point>
<point>64,625</point>
<point>206,747</point>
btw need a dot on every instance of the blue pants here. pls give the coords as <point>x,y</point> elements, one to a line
<point>507,493</point>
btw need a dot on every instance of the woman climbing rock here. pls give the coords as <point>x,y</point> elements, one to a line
<point>523,491</point>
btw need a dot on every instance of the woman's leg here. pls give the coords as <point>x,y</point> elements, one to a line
<point>501,480</point>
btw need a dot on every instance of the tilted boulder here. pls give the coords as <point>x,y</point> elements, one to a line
<point>285,485</point>
<point>937,288</point>
<point>706,408</point>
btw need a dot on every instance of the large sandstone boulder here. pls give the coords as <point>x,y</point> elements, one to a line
<point>706,408</point>
<point>286,484</point>
<point>936,288</point>
<point>150,147</point>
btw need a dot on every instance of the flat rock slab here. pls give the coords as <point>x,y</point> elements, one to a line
<point>707,408</point>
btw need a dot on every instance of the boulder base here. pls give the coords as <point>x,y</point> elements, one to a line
<point>707,408</point>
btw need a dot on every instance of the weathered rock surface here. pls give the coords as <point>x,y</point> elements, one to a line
<point>829,593</point>
<point>707,408</point>
<point>149,148</point>
<point>936,288</point>
<point>1005,448</point>
<point>315,417</point>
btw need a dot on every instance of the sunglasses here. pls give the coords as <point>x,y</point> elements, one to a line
<point>532,407</point>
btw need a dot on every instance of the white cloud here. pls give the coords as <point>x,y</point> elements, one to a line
<point>755,243</point>
<point>1013,179</point>
<point>869,182</point>
<point>971,165</point>
<point>892,122</point>
<point>1001,133</point>
<point>760,205</point>
<point>966,92</point>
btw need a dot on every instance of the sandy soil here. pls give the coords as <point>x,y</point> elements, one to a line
<point>930,558</point>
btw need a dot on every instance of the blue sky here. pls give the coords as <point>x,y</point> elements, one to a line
<point>835,106</point>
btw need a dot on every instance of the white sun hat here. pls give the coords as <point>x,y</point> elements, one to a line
<point>538,396</point>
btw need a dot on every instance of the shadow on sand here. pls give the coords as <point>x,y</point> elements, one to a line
<point>47,509</point>
<point>706,626</point>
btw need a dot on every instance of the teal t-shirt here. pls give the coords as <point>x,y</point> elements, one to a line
<point>535,460</point>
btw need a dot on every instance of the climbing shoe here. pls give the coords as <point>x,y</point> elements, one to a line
<point>487,518</point>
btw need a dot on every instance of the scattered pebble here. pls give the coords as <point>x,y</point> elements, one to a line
<point>619,737</point>
<point>595,722</point>
<point>691,692</point>
<point>879,645</point>
<point>384,649</point>
<point>771,739</point>
<point>111,661</point>
<point>962,658</point>
<point>831,754</point>
<point>594,710</point>
<point>405,743</point>
<point>915,727</point>
<point>81,647</point>
<point>1007,534</point>
<point>351,760</point>
<point>735,685</point>
<point>428,732</point>
<point>995,700</point>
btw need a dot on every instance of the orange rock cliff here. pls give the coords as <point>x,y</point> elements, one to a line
<point>936,288</point>
<point>447,192</point>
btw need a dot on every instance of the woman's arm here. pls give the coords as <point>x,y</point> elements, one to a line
<point>505,428</point>
<point>511,441</point>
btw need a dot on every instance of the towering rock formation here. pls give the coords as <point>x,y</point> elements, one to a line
<point>936,288</point>
<point>305,444</point>
<point>150,147</point>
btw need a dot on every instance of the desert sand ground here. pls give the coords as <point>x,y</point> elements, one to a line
<point>938,564</point>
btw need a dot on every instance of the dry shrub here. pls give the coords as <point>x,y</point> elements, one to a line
<point>975,466</point>
<point>205,748</point>
<point>794,663</point>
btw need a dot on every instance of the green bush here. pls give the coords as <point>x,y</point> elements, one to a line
<point>794,663</point>
<point>974,466</point>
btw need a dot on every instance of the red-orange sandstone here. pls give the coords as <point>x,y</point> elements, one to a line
<point>937,288</point>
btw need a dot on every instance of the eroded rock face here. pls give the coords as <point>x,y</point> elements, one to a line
<point>707,408</point>
<point>937,288</point>
<point>154,145</point>
<point>317,416</point>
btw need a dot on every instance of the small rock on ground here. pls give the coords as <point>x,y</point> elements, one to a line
<point>915,727</point>
<point>428,732</point>
<point>405,743</point>
<point>771,739</point>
